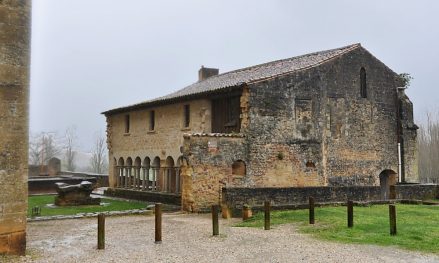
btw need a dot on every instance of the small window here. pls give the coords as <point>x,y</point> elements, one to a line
<point>363,87</point>
<point>151,120</point>
<point>310,164</point>
<point>187,116</point>
<point>127,123</point>
<point>238,168</point>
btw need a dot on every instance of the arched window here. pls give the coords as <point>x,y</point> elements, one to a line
<point>238,168</point>
<point>363,86</point>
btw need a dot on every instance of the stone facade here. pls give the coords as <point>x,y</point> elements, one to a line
<point>331,118</point>
<point>14,96</point>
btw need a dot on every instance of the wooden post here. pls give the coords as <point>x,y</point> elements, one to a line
<point>267,215</point>
<point>158,223</point>
<point>392,218</point>
<point>101,231</point>
<point>215,225</point>
<point>350,214</point>
<point>311,210</point>
<point>246,212</point>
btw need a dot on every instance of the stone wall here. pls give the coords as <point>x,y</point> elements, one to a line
<point>236,197</point>
<point>313,128</point>
<point>144,196</point>
<point>210,159</point>
<point>409,145</point>
<point>14,97</point>
<point>415,191</point>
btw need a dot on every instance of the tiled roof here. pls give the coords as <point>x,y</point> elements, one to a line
<point>246,75</point>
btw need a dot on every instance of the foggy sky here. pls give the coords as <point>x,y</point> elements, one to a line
<point>89,56</point>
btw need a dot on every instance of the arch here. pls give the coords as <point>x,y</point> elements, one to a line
<point>182,161</point>
<point>115,171</point>
<point>156,162</point>
<point>363,83</point>
<point>146,179</point>
<point>155,173</point>
<point>239,168</point>
<point>147,162</point>
<point>128,172</point>
<point>137,167</point>
<point>169,161</point>
<point>169,182</point>
<point>120,171</point>
<point>310,164</point>
<point>387,178</point>
<point>179,182</point>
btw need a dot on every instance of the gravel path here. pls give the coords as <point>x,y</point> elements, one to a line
<point>187,238</point>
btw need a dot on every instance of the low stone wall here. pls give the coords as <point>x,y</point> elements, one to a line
<point>415,191</point>
<point>161,197</point>
<point>236,197</point>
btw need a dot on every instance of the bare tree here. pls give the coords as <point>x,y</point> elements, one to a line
<point>43,147</point>
<point>69,152</point>
<point>428,142</point>
<point>98,161</point>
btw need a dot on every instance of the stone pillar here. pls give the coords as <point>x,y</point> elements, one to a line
<point>187,198</point>
<point>154,178</point>
<point>143,177</point>
<point>117,176</point>
<point>14,99</point>
<point>125,177</point>
<point>137,177</point>
<point>113,171</point>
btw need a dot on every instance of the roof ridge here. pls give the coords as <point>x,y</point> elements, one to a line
<point>348,47</point>
<point>249,74</point>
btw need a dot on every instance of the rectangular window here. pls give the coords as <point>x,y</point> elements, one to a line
<point>187,116</point>
<point>127,123</point>
<point>225,115</point>
<point>151,120</point>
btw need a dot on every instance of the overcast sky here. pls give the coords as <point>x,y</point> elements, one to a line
<point>89,56</point>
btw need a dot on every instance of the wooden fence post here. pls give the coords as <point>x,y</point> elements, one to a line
<point>350,214</point>
<point>246,212</point>
<point>158,222</point>
<point>311,210</point>
<point>267,215</point>
<point>215,224</point>
<point>101,231</point>
<point>392,218</point>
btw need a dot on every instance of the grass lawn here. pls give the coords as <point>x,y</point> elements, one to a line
<point>417,225</point>
<point>113,205</point>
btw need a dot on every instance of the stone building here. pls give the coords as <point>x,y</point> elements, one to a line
<point>331,118</point>
<point>14,96</point>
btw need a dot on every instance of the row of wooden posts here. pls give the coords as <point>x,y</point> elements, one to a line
<point>267,211</point>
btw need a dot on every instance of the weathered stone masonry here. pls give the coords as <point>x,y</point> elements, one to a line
<point>14,96</point>
<point>330,118</point>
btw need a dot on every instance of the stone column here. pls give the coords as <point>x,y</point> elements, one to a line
<point>125,178</point>
<point>117,175</point>
<point>143,177</point>
<point>14,99</point>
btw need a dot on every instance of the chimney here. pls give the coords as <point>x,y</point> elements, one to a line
<point>205,73</point>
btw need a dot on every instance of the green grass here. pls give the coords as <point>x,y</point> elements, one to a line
<point>113,205</point>
<point>417,225</point>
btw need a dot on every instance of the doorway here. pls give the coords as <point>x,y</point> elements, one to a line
<point>387,179</point>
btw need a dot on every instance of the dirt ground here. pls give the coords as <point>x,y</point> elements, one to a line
<point>188,238</point>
